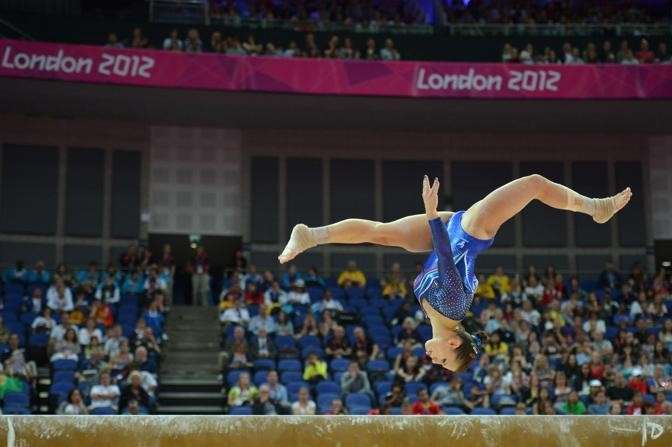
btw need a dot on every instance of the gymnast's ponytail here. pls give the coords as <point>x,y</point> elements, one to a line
<point>471,348</point>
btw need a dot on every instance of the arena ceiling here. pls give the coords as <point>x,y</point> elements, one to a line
<point>258,110</point>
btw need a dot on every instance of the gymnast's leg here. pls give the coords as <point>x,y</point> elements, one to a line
<point>483,219</point>
<point>410,233</point>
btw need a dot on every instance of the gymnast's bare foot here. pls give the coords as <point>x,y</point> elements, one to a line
<point>302,239</point>
<point>606,208</point>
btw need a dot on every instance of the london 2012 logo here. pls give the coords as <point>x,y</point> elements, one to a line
<point>525,80</point>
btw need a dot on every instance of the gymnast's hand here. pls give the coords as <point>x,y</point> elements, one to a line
<point>430,195</point>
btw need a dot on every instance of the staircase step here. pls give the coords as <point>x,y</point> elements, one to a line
<point>191,398</point>
<point>200,345</point>
<point>192,409</point>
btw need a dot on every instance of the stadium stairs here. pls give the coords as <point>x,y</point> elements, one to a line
<point>189,382</point>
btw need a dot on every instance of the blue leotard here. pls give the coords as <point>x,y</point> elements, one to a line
<point>448,279</point>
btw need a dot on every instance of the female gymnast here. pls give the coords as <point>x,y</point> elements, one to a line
<point>446,286</point>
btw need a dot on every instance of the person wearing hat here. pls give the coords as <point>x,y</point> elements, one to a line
<point>637,382</point>
<point>298,294</point>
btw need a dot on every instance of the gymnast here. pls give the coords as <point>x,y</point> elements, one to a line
<point>446,286</point>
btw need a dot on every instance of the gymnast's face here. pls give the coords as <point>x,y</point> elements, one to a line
<point>443,350</point>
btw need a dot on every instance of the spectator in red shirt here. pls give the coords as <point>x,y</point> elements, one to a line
<point>645,55</point>
<point>636,407</point>
<point>424,405</point>
<point>253,295</point>
<point>199,268</point>
<point>662,406</point>
<point>637,383</point>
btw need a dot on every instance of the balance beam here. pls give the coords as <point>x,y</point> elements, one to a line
<point>336,431</point>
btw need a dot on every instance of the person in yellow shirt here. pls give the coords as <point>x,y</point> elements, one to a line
<point>227,301</point>
<point>495,347</point>
<point>394,283</point>
<point>499,281</point>
<point>352,276</point>
<point>484,290</point>
<point>316,369</point>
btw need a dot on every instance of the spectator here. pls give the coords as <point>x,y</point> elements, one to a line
<point>355,380</point>
<point>636,406</point>
<point>290,277</point>
<point>338,345</point>
<point>327,303</point>
<point>394,284</point>
<point>352,276</point>
<point>527,54</point>
<point>451,394</point>
<point>396,397</point>
<point>262,345</point>
<point>277,391</point>
<point>363,343</point>
<point>336,408</point>
<point>309,326</point>
<point>194,44</point>
<point>263,321</point>
<point>59,297</point>
<point>332,48</point>
<point>243,393</point>
<point>645,55</point>
<point>305,405</point>
<point>662,55</point>
<point>284,325</point>
<point>298,295</point>
<point>138,40</point>
<point>199,268</point>
<point>73,405</point>
<point>217,43</point>
<point>89,331</point>
<point>662,405</point>
<point>410,371</point>
<point>347,51</point>
<point>108,291</point>
<point>251,47</point>
<point>173,41</point>
<point>275,297</point>
<point>113,41</point>
<point>264,404</point>
<point>424,405</point>
<point>105,394</point>
<point>408,333</point>
<point>389,52</point>
<point>237,351</point>
<point>237,315</point>
<point>315,370</point>
<point>370,53</point>
<point>133,391</point>
<point>499,282</point>
<point>601,405</point>
<point>573,405</point>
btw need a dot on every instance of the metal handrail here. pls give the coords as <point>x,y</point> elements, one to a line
<point>21,33</point>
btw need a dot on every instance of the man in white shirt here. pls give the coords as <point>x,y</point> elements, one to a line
<point>90,330</point>
<point>59,297</point>
<point>530,314</point>
<point>58,331</point>
<point>236,315</point>
<point>328,303</point>
<point>105,394</point>
<point>298,294</point>
<point>275,296</point>
<point>108,292</point>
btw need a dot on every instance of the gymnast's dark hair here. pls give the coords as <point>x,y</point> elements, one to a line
<point>470,349</point>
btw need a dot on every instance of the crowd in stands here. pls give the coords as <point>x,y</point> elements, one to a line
<point>233,46</point>
<point>299,343</point>
<point>591,54</point>
<point>400,13</point>
<point>98,333</point>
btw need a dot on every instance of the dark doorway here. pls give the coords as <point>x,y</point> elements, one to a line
<point>663,252</point>
<point>220,249</point>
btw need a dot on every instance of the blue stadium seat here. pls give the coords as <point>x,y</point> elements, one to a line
<point>305,352</point>
<point>60,390</point>
<point>329,387</point>
<point>394,411</point>
<point>357,400</point>
<point>393,352</point>
<point>354,293</point>
<point>507,411</point>
<point>339,365</point>
<point>291,376</point>
<point>419,352</point>
<point>324,401</point>
<point>378,366</point>
<point>260,378</point>
<point>414,387</point>
<point>382,387</point>
<point>264,364</point>
<point>232,377</point>
<point>436,385</point>
<point>289,365</point>
<point>16,399</point>
<point>294,387</point>
<point>425,331</point>
<point>64,364</point>
<point>103,411</point>
<point>38,340</point>
<point>28,318</point>
<point>453,411</point>
<point>11,410</point>
<point>241,411</point>
<point>360,411</point>
<point>309,340</point>
<point>64,376</point>
<point>482,411</point>
<point>284,342</point>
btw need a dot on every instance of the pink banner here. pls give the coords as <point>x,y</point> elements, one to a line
<point>101,65</point>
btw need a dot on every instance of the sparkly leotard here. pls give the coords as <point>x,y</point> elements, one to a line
<point>448,280</point>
